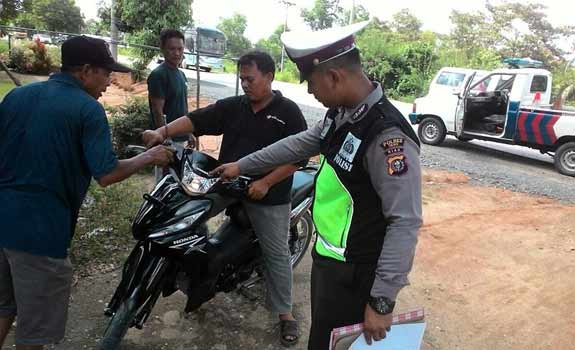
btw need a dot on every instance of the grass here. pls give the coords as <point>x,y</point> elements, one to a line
<point>5,87</point>
<point>126,51</point>
<point>103,236</point>
<point>3,46</point>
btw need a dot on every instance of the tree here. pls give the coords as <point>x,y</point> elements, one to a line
<point>53,15</point>
<point>406,24</point>
<point>525,31</point>
<point>510,29</point>
<point>144,20</point>
<point>403,66</point>
<point>12,8</point>
<point>323,14</point>
<point>360,14</point>
<point>234,29</point>
<point>272,45</point>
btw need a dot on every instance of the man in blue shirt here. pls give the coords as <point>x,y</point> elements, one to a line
<point>55,139</point>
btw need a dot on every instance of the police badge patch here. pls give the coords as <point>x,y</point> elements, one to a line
<point>396,165</point>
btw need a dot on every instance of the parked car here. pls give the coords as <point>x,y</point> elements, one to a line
<point>441,102</point>
<point>43,38</point>
<point>20,35</point>
<point>510,106</point>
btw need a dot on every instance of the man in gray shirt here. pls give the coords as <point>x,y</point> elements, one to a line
<point>367,205</point>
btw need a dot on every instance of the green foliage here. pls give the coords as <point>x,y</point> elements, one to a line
<point>53,15</point>
<point>323,14</point>
<point>230,66</point>
<point>12,8</point>
<point>144,20</point>
<point>512,29</point>
<point>361,14</point>
<point>127,122</point>
<point>103,236</point>
<point>31,57</point>
<point>290,73</point>
<point>402,66</point>
<point>564,81</point>
<point>3,46</point>
<point>273,45</point>
<point>234,29</point>
<point>406,24</point>
<point>5,87</point>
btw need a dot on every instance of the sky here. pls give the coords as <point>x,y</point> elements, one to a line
<point>264,16</point>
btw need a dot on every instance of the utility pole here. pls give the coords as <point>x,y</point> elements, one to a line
<point>352,12</point>
<point>113,32</point>
<point>288,4</point>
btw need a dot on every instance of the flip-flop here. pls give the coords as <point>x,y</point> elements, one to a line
<point>288,332</point>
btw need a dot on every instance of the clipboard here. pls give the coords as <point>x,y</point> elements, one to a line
<point>342,337</point>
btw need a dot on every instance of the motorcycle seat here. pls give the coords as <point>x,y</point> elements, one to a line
<point>301,187</point>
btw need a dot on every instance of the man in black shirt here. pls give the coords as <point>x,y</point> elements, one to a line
<point>249,123</point>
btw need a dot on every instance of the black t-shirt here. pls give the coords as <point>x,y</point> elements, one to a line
<point>245,132</point>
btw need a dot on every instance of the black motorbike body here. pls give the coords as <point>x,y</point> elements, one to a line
<point>175,250</point>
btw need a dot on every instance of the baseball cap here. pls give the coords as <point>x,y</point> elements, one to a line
<point>310,49</point>
<point>81,50</point>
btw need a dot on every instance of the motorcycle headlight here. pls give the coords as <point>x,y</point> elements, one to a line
<point>181,225</point>
<point>197,181</point>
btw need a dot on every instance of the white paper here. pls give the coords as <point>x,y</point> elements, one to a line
<point>401,337</point>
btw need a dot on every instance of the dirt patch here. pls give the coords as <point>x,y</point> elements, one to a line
<point>123,88</point>
<point>494,268</point>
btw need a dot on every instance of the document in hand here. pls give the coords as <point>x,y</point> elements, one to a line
<point>401,337</point>
<point>343,337</point>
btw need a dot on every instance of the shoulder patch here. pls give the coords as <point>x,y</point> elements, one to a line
<point>394,145</point>
<point>396,164</point>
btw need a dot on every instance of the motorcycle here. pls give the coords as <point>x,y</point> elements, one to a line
<point>175,250</point>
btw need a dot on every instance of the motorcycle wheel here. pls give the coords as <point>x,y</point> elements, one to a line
<point>119,324</point>
<point>300,238</point>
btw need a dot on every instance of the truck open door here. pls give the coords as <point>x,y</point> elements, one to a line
<point>460,111</point>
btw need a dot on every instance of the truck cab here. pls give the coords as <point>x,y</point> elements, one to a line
<point>439,105</point>
<point>509,106</point>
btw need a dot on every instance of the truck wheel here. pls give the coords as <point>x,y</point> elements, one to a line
<point>565,159</point>
<point>431,131</point>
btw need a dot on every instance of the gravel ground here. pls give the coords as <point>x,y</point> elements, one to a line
<point>484,165</point>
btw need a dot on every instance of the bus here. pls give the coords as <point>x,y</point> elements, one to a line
<point>211,47</point>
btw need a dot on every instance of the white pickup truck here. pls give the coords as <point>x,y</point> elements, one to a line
<point>509,106</point>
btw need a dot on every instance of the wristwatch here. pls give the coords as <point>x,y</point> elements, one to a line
<point>381,305</point>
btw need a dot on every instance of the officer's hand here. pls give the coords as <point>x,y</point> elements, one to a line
<point>161,155</point>
<point>227,171</point>
<point>375,326</point>
<point>152,138</point>
<point>258,189</point>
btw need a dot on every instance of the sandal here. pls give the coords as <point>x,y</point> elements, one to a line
<point>288,332</point>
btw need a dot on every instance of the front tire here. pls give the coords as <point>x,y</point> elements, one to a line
<point>564,159</point>
<point>119,324</point>
<point>300,237</point>
<point>431,131</point>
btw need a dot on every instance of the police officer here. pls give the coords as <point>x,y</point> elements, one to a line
<point>367,205</point>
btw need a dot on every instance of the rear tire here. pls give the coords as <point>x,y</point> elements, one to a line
<point>300,238</point>
<point>431,131</point>
<point>119,324</point>
<point>564,159</point>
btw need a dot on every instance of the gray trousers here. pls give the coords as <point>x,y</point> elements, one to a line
<point>36,289</point>
<point>271,224</point>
